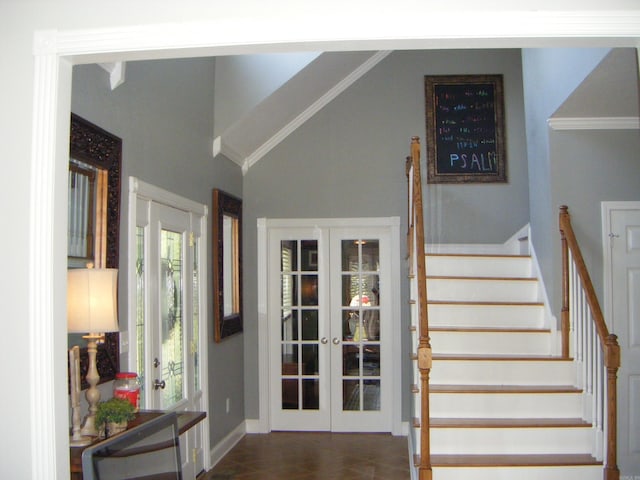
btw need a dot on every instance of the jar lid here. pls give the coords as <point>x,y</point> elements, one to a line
<point>126,375</point>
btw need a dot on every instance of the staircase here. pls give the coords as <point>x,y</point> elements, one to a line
<point>503,403</point>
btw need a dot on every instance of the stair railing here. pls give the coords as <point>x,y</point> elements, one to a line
<point>420,323</point>
<point>595,350</point>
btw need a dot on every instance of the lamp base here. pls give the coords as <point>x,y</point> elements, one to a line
<point>92,394</point>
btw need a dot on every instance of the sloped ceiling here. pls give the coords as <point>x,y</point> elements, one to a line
<point>250,138</point>
<point>607,98</point>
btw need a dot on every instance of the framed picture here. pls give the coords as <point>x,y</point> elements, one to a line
<point>465,129</point>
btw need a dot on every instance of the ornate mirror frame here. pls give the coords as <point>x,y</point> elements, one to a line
<point>94,146</point>
<point>227,265</point>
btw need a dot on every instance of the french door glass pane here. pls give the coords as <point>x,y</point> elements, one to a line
<point>171,311</point>
<point>299,324</point>
<point>309,324</point>
<point>360,304</point>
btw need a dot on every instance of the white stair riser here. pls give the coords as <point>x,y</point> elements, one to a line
<point>510,441</point>
<point>498,316</point>
<point>519,473</point>
<point>518,405</point>
<point>496,343</point>
<point>461,290</point>
<point>478,266</point>
<point>487,372</point>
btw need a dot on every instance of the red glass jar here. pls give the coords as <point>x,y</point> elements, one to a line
<point>127,386</point>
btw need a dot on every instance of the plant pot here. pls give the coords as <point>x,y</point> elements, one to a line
<point>112,428</point>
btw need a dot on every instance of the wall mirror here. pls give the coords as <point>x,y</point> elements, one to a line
<point>227,265</point>
<point>95,158</point>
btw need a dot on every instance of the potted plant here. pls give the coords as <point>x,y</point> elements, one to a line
<point>113,415</point>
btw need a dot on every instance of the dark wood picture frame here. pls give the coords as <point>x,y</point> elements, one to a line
<point>230,251</point>
<point>465,129</point>
<point>103,150</point>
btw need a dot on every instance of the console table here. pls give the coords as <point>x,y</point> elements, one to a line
<point>186,420</point>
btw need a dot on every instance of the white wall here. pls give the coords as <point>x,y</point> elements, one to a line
<point>34,289</point>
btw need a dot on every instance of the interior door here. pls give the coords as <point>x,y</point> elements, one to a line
<point>330,353</point>
<point>168,310</point>
<point>299,329</point>
<point>360,336</point>
<point>624,235</point>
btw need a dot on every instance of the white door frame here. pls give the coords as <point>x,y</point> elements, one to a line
<point>607,208</point>
<point>263,423</point>
<point>140,192</point>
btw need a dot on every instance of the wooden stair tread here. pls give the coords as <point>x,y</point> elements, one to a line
<point>489,329</point>
<point>474,303</point>
<point>508,423</point>
<point>533,460</point>
<point>478,255</point>
<point>504,389</point>
<point>507,358</point>
<point>458,277</point>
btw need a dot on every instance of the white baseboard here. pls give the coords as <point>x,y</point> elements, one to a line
<point>227,443</point>
<point>517,244</point>
<point>412,468</point>
<point>256,426</point>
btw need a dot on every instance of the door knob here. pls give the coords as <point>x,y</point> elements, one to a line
<point>324,340</point>
<point>335,340</point>
<point>159,384</point>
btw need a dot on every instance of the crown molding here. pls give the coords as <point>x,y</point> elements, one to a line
<point>594,123</point>
<point>116,71</point>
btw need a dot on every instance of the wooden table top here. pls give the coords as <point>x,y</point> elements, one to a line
<point>186,420</point>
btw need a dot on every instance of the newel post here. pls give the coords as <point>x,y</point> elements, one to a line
<point>612,363</point>
<point>564,315</point>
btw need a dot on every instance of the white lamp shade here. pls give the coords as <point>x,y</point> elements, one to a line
<point>92,300</point>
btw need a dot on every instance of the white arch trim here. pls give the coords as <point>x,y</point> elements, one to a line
<point>366,29</point>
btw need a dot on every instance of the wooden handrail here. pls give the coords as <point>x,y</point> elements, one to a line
<point>608,342</point>
<point>415,243</point>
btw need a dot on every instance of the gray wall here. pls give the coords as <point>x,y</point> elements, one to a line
<point>348,161</point>
<point>587,168</point>
<point>164,115</point>
<point>549,77</point>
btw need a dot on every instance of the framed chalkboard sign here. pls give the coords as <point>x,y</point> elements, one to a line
<point>465,129</point>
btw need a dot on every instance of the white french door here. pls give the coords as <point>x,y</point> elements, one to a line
<point>330,304</point>
<point>167,294</point>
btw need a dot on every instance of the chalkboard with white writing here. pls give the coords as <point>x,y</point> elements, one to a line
<point>465,129</point>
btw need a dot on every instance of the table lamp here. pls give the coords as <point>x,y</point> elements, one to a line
<point>92,309</point>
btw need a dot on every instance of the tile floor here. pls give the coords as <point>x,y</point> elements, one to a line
<point>326,456</point>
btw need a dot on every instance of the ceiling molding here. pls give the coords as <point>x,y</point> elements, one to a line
<point>595,123</point>
<point>116,71</point>
<point>314,108</point>
<point>229,152</point>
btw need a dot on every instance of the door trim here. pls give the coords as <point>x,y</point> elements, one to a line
<point>607,208</point>
<point>141,191</point>
<point>263,423</point>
